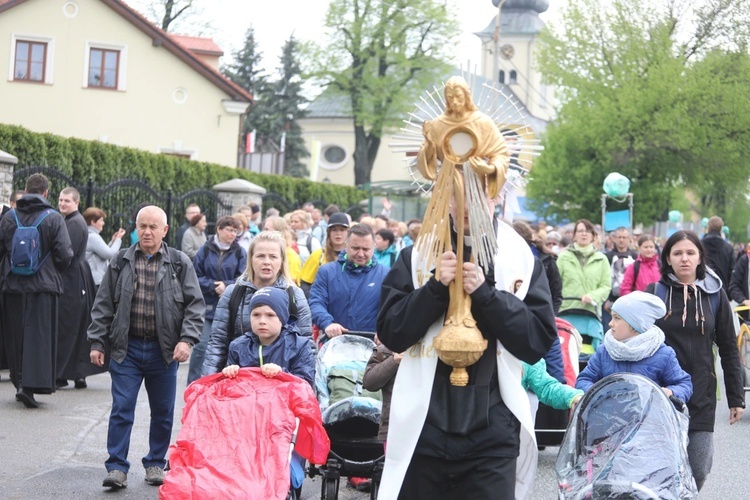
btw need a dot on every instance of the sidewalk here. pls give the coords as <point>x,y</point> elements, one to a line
<point>58,450</point>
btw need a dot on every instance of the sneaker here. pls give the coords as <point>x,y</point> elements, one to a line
<point>155,475</point>
<point>115,479</point>
<point>360,483</point>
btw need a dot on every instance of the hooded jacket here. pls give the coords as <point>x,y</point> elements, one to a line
<point>739,285</point>
<point>293,352</point>
<point>347,294</point>
<point>54,241</point>
<point>691,328</point>
<point>719,256</point>
<point>221,334</point>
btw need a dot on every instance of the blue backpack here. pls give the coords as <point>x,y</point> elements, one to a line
<point>26,247</point>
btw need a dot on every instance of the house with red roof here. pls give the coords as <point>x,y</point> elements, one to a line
<point>99,70</point>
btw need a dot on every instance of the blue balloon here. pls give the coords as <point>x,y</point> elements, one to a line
<point>704,222</point>
<point>674,216</point>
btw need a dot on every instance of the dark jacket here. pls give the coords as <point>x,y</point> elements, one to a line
<point>526,328</point>
<point>553,276</point>
<point>293,352</point>
<point>179,305</point>
<point>347,294</point>
<point>693,340</point>
<point>221,334</point>
<point>212,264</point>
<point>739,284</point>
<point>719,256</point>
<point>380,374</point>
<point>54,241</point>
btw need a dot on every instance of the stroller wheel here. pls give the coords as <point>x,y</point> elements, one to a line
<point>329,489</point>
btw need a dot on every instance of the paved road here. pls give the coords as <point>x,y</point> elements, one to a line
<point>58,450</point>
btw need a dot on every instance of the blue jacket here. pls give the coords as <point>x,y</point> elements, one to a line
<point>347,294</point>
<point>221,334</point>
<point>214,265</point>
<point>293,352</point>
<point>663,368</point>
<point>387,256</point>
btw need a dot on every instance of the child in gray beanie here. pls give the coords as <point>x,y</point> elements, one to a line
<point>635,345</point>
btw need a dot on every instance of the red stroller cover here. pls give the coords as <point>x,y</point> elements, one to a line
<point>236,435</point>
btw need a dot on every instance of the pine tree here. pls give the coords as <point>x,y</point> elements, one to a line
<point>286,109</point>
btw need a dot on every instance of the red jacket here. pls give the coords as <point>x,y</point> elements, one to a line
<point>235,436</point>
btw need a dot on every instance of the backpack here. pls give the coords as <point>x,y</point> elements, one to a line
<point>309,243</point>
<point>238,296</point>
<point>26,247</point>
<point>345,382</point>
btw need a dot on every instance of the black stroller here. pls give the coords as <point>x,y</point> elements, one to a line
<point>351,422</point>
<point>626,439</point>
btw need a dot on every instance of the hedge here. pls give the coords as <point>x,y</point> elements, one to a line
<point>79,159</point>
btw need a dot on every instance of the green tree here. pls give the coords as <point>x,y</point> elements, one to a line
<point>646,90</point>
<point>286,107</point>
<point>382,54</point>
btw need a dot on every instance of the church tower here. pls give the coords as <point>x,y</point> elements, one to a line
<point>508,52</point>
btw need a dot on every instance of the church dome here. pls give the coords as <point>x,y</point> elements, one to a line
<point>537,5</point>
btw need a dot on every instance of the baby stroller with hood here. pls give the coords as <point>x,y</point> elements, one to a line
<point>588,324</point>
<point>351,415</point>
<point>238,435</point>
<point>626,439</point>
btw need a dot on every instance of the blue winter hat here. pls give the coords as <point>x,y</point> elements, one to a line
<point>274,298</point>
<point>640,310</point>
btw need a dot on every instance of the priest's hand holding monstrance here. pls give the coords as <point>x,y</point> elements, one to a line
<point>467,157</point>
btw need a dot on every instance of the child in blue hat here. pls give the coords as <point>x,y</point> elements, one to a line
<point>635,345</point>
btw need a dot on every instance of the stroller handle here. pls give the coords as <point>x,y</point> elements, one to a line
<point>593,302</point>
<point>367,335</point>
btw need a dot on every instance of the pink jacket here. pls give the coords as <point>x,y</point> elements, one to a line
<point>647,274</point>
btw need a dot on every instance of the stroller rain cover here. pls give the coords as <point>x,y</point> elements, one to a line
<point>625,440</point>
<point>236,435</point>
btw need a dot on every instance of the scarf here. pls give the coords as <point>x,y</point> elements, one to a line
<point>635,348</point>
<point>222,246</point>
<point>583,253</point>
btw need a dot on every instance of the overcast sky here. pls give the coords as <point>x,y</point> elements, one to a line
<point>275,20</point>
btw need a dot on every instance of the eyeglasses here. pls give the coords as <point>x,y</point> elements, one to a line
<point>581,231</point>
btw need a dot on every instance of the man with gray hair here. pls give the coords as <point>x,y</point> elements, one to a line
<point>149,309</point>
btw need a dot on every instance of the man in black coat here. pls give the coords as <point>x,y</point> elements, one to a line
<point>620,257</point>
<point>77,297</point>
<point>719,253</point>
<point>30,302</point>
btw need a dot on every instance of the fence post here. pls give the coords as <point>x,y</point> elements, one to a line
<point>7,164</point>
<point>170,234</point>
<point>90,192</point>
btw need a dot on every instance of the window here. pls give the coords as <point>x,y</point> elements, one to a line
<point>513,77</point>
<point>501,77</point>
<point>333,156</point>
<point>104,67</point>
<point>30,59</point>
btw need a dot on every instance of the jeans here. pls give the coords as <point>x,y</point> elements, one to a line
<point>199,353</point>
<point>143,361</point>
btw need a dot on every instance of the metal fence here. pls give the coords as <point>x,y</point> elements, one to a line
<point>121,199</point>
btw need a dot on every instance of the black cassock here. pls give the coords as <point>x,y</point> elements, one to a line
<point>75,307</point>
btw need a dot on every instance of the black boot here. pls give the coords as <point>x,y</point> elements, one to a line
<point>26,396</point>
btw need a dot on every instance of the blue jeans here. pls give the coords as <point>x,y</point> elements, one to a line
<point>143,361</point>
<point>199,353</point>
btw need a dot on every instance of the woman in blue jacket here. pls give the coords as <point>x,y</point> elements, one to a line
<point>217,264</point>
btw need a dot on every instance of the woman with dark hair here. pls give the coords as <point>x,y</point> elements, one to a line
<point>698,316</point>
<point>218,264</point>
<point>195,235</point>
<point>586,283</point>
<point>547,258</point>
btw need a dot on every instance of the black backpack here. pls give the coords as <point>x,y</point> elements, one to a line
<point>236,299</point>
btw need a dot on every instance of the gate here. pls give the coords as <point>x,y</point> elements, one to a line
<point>120,200</point>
